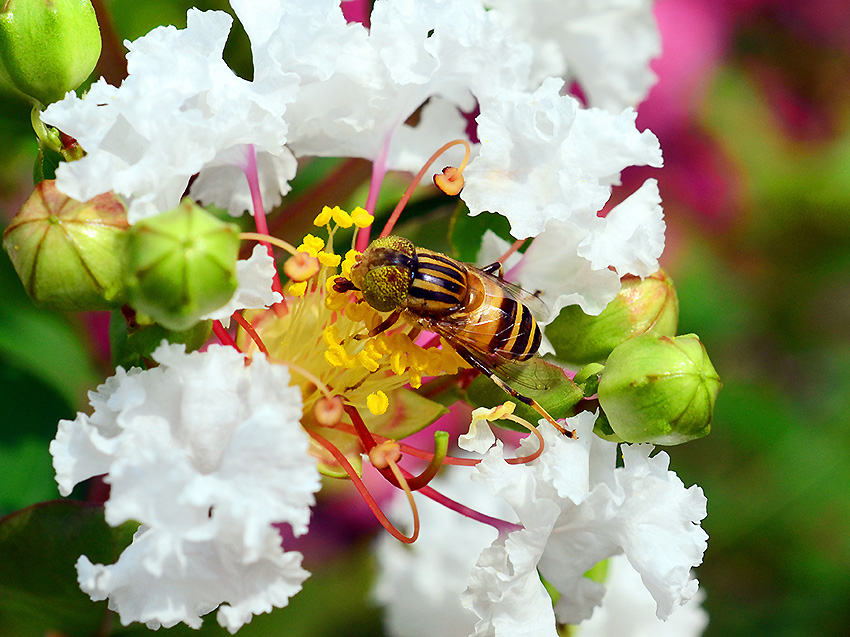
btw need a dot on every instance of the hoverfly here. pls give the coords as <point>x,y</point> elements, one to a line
<point>490,322</point>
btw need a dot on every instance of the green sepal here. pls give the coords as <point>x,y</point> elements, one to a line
<point>40,545</point>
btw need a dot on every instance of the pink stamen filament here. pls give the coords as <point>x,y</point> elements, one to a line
<point>409,192</point>
<point>224,336</point>
<point>379,171</point>
<point>250,170</point>
<point>364,491</point>
<point>516,246</point>
<point>249,329</point>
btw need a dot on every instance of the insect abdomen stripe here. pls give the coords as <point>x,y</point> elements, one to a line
<point>527,340</point>
<point>439,283</point>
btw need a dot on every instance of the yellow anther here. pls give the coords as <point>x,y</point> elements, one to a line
<point>357,312</point>
<point>298,289</point>
<point>414,378</point>
<point>367,361</point>
<point>418,359</point>
<point>311,245</point>
<point>433,362</point>
<point>377,402</point>
<point>338,357</point>
<point>329,259</point>
<point>336,302</point>
<point>361,217</point>
<point>350,261</point>
<point>330,335</point>
<point>324,217</point>
<point>398,362</point>
<point>373,349</point>
<point>342,218</point>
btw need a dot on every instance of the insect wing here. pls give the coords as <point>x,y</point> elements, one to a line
<point>534,373</point>
<point>539,310</point>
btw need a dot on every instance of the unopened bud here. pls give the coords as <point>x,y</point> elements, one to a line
<point>659,389</point>
<point>641,305</point>
<point>182,265</point>
<point>69,254</point>
<point>48,47</point>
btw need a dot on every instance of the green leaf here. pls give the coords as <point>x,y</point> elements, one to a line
<point>38,580</point>
<point>466,232</point>
<point>42,342</point>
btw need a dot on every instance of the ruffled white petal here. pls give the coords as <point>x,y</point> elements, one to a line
<point>179,110</point>
<point>543,158</point>
<point>208,454</point>
<point>578,509</point>
<point>606,45</point>
<point>254,289</point>
<point>628,609</point>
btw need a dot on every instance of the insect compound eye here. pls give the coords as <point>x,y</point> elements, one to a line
<point>385,287</point>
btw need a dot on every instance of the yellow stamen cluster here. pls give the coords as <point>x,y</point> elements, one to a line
<point>325,333</point>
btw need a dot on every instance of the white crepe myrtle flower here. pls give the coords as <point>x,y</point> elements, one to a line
<point>606,45</point>
<point>420,585</point>
<point>208,454</point>
<point>628,609</point>
<point>571,264</point>
<point>254,277</point>
<point>180,110</point>
<point>358,86</point>
<point>577,509</point>
<point>544,158</point>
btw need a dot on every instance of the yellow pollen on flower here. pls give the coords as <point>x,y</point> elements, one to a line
<point>398,362</point>
<point>324,217</point>
<point>298,289</point>
<point>311,245</point>
<point>342,218</point>
<point>368,361</point>
<point>350,262</point>
<point>361,217</point>
<point>377,402</point>
<point>329,259</point>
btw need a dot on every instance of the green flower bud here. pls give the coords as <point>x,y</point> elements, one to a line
<point>641,305</point>
<point>48,47</point>
<point>659,389</point>
<point>69,255</point>
<point>182,265</point>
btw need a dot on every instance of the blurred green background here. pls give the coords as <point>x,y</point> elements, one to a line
<point>753,113</point>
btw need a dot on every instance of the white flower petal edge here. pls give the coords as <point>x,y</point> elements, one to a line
<point>628,609</point>
<point>179,110</point>
<point>543,158</point>
<point>420,585</point>
<point>605,44</point>
<point>254,289</point>
<point>208,454</point>
<point>578,509</point>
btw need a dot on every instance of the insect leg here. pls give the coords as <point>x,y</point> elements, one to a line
<point>494,268</point>
<point>386,324</point>
<point>512,392</point>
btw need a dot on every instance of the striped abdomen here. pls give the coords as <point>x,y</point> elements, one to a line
<point>505,326</point>
<point>439,285</point>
